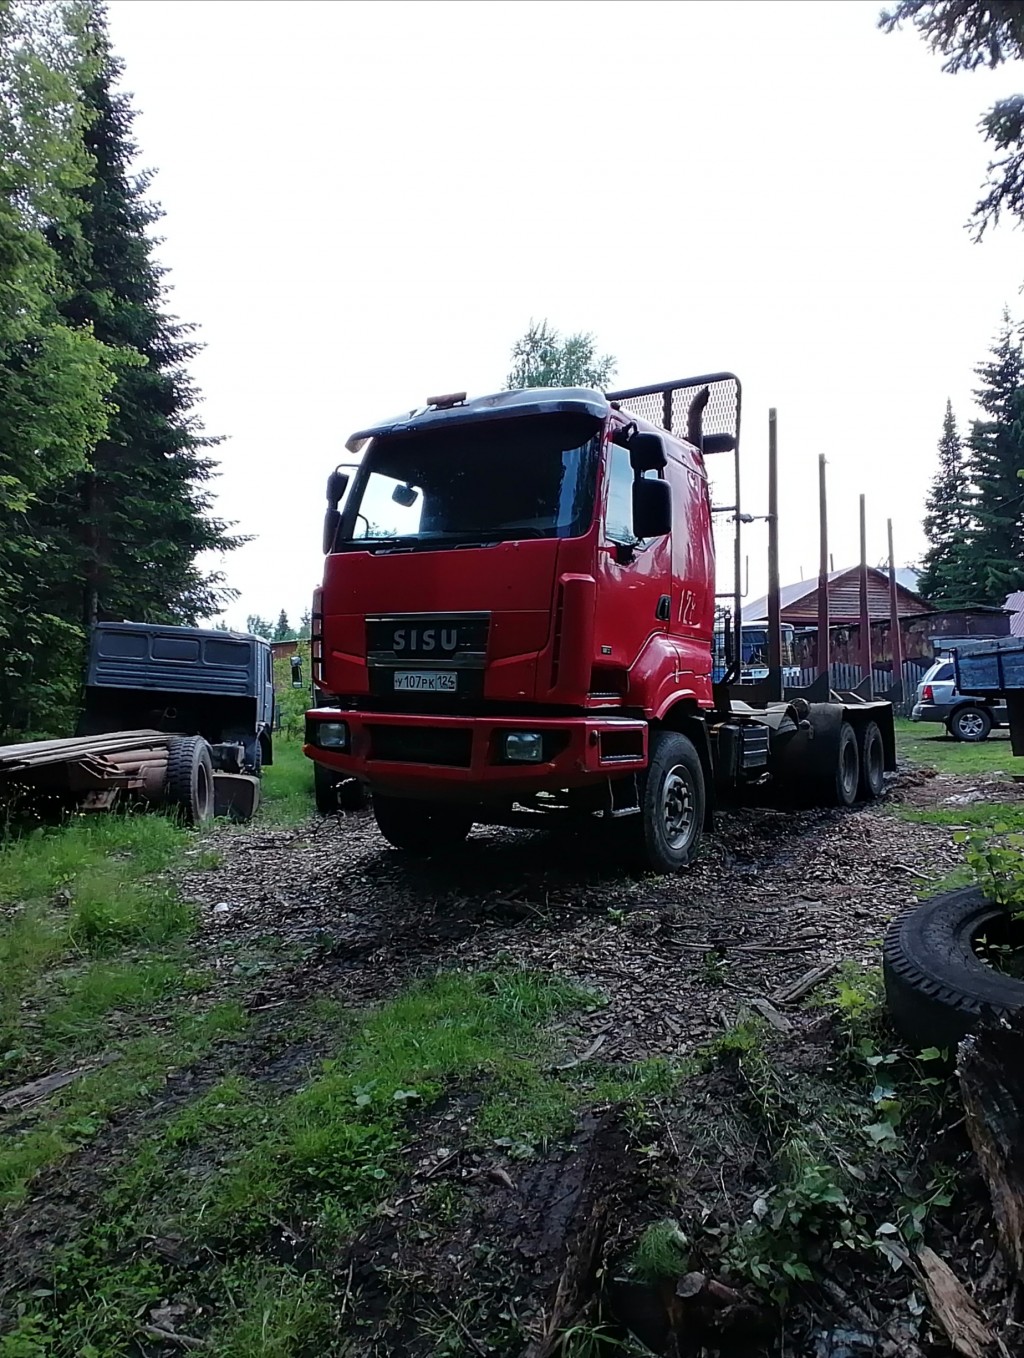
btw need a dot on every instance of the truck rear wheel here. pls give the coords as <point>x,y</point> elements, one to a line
<point>189,782</point>
<point>421,828</point>
<point>872,761</point>
<point>846,779</point>
<point>667,833</point>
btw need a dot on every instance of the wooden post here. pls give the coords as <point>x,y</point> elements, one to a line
<point>775,685</point>
<point>824,653</point>
<point>895,639</point>
<point>865,612</point>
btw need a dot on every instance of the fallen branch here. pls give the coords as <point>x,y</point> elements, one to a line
<point>594,1047</point>
<point>37,1090</point>
<point>178,1341</point>
<point>806,983</point>
<point>768,1011</point>
<point>954,1307</point>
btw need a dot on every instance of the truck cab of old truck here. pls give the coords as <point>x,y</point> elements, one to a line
<point>516,618</point>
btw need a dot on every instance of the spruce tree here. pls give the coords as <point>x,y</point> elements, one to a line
<point>54,376</point>
<point>947,576</point>
<point>995,459</point>
<point>283,631</point>
<point>135,523</point>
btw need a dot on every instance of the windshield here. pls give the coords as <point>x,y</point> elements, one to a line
<point>486,482</point>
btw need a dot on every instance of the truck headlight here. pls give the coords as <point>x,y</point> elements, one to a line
<point>524,747</point>
<point>332,735</point>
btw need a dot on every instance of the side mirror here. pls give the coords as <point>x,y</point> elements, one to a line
<point>406,496</point>
<point>647,453</point>
<point>337,484</point>
<point>296,663</point>
<point>332,521</point>
<point>652,508</point>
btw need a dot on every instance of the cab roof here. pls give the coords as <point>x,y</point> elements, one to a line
<point>500,405</point>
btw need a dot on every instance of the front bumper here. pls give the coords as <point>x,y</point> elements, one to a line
<point>463,757</point>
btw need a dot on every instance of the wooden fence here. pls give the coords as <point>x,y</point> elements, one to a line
<point>849,677</point>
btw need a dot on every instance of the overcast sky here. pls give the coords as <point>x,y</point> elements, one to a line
<point>366,203</point>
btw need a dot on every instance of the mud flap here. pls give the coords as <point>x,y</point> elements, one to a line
<point>236,795</point>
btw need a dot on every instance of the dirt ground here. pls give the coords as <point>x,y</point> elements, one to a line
<point>524,1258</point>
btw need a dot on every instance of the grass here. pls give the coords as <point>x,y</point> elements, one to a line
<point>287,796</point>
<point>228,1169</point>
<point>927,743</point>
<point>86,889</point>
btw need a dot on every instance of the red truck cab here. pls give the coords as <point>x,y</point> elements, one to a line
<point>517,618</point>
<point>515,588</point>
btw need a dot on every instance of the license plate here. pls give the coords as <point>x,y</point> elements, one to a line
<point>425,681</point>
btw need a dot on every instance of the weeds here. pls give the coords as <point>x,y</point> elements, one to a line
<point>287,794</point>
<point>86,887</point>
<point>661,1252</point>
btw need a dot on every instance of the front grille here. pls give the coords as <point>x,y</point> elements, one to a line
<point>399,638</point>
<point>421,745</point>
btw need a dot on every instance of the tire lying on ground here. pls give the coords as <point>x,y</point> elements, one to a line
<point>936,986</point>
<point>189,783</point>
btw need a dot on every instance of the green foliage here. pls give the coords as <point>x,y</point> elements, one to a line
<point>947,576</point>
<point>542,358</point>
<point>55,372</point>
<point>661,1252</point>
<point>85,886</point>
<point>996,456</point>
<point>969,34</point>
<point>324,1156</point>
<point>998,865</point>
<point>287,796</point>
<point>259,627</point>
<point>102,461</point>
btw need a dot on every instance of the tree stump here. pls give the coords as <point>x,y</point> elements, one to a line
<point>991,1071</point>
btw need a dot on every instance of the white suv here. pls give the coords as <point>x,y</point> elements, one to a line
<point>964,717</point>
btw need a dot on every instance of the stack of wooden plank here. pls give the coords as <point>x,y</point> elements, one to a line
<point>117,759</point>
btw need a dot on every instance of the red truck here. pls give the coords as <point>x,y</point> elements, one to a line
<point>516,620</point>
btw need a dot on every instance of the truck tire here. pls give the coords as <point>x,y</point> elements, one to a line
<point>845,782</point>
<point>351,795</point>
<point>421,828</point>
<point>336,792</point>
<point>189,782</point>
<point>325,789</point>
<point>936,986</point>
<point>970,723</point>
<point>666,834</point>
<point>872,761</point>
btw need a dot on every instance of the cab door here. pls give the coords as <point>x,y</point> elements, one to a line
<point>634,578</point>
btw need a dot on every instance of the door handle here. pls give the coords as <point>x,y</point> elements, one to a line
<point>664,610</point>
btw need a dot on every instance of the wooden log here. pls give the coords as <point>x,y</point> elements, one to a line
<point>955,1309</point>
<point>991,1074</point>
<point>35,754</point>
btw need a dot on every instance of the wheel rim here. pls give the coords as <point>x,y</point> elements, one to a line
<point>203,792</point>
<point>677,808</point>
<point>970,724</point>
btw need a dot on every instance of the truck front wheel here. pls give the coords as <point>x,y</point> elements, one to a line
<point>421,828</point>
<point>667,833</point>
